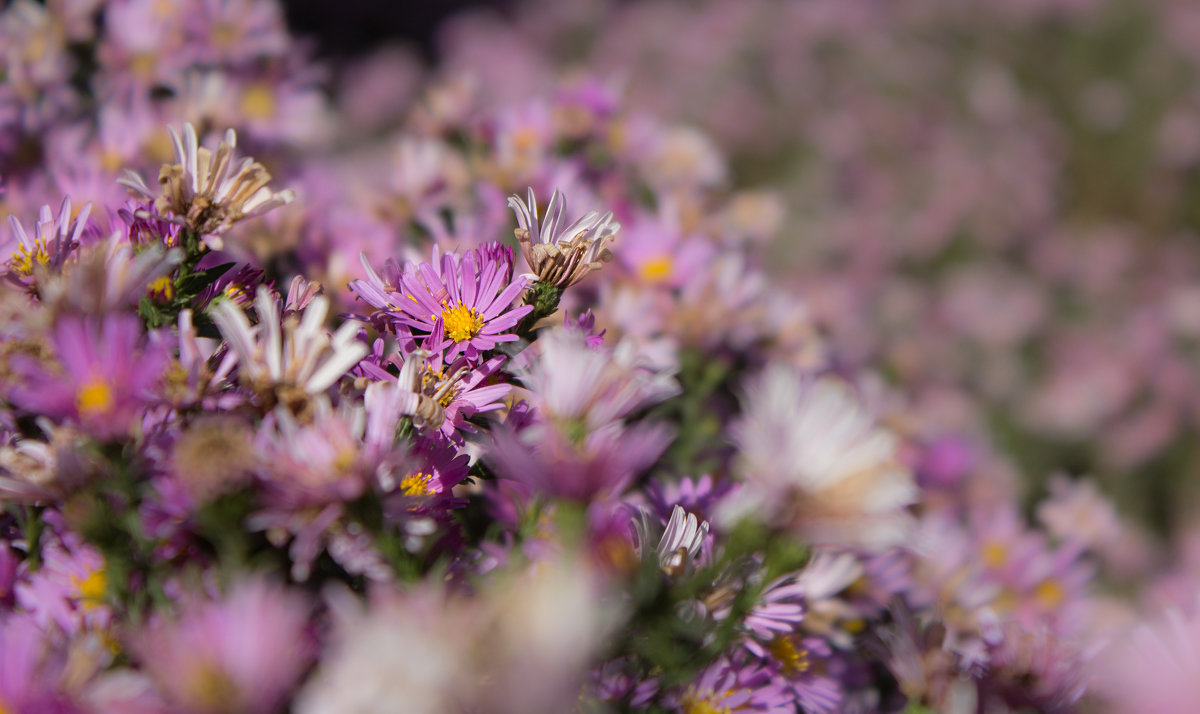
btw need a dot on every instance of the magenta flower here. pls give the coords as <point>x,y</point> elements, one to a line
<point>468,298</point>
<point>242,653</point>
<point>108,375</point>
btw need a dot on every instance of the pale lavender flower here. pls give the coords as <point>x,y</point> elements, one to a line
<point>681,542</point>
<point>579,445</point>
<point>239,653</point>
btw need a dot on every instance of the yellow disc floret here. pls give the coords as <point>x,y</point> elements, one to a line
<point>793,660</point>
<point>92,588</point>
<point>25,259</point>
<point>703,705</point>
<point>657,269</point>
<point>95,397</point>
<point>416,484</point>
<point>462,323</point>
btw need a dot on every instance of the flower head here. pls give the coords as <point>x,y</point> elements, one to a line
<point>107,377</point>
<point>288,360</point>
<point>559,254</point>
<point>462,305</point>
<point>206,190</point>
<point>816,454</point>
<point>240,653</point>
<point>49,246</point>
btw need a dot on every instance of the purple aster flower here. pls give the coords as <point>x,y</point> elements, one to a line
<point>108,375</point>
<point>700,496</point>
<point>239,653</point>
<point>726,686</point>
<point>468,298</point>
<point>51,243</point>
<point>32,670</point>
<point>68,591</point>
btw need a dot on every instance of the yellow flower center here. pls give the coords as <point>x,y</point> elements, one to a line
<point>703,705</point>
<point>995,554</point>
<point>163,288</point>
<point>344,460</point>
<point>92,588</point>
<point>1049,594</point>
<point>95,397</point>
<point>656,269</point>
<point>258,102</point>
<point>462,323</point>
<point>209,687</point>
<point>24,259</point>
<point>416,484</point>
<point>793,660</point>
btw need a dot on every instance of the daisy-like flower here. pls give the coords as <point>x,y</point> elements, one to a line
<point>559,254</point>
<point>820,463</point>
<point>208,191</point>
<point>49,246</point>
<point>467,299</point>
<point>288,361</point>
<point>107,380</point>
<point>241,653</point>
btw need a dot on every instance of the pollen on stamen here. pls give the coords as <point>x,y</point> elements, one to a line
<point>417,484</point>
<point>461,322</point>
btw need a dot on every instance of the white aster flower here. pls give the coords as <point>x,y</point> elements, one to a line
<point>288,359</point>
<point>820,463</point>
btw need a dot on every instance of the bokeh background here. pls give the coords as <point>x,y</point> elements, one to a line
<point>993,204</point>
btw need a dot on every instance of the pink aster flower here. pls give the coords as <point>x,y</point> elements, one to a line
<point>108,375</point>
<point>31,670</point>
<point>468,298</point>
<point>240,653</point>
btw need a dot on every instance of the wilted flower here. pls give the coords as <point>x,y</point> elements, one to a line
<point>558,254</point>
<point>208,191</point>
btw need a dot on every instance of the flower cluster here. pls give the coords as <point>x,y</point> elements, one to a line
<point>308,438</point>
